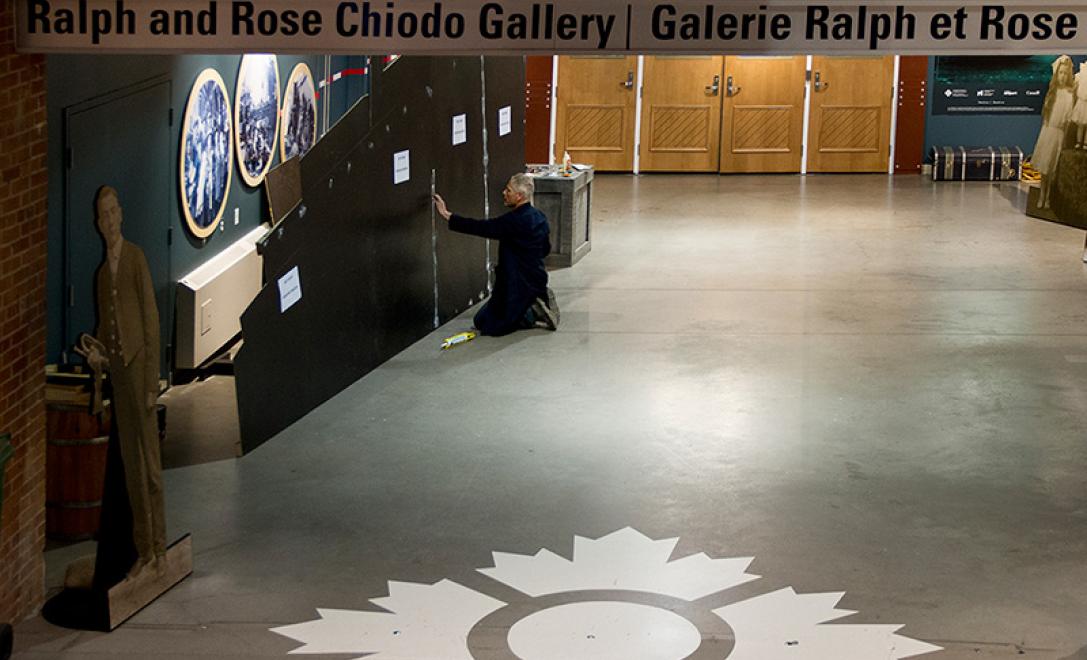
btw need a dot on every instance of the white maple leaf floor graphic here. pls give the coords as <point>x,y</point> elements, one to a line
<point>434,621</point>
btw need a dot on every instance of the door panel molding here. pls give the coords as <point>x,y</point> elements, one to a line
<point>851,129</point>
<point>758,129</point>
<point>679,129</point>
<point>595,128</point>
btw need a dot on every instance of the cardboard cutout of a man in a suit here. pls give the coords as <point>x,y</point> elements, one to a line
<point>126,343</point>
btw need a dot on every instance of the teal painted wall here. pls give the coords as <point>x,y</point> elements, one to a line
<point>979,130</point>
<point>77,79</point>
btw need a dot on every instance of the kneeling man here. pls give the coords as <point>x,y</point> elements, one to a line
<point>520,298</point>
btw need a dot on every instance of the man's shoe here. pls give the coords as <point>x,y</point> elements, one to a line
<point>544,317</point>
<point>553,304</point>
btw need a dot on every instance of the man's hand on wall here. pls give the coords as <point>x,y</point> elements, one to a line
<point>441,208</point>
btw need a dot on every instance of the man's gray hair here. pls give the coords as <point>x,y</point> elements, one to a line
<point>523,184</point>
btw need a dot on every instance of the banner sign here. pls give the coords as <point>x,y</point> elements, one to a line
<point>991,85</point>
<point>557,26</point>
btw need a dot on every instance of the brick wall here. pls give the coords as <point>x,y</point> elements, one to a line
<point>23,176</point>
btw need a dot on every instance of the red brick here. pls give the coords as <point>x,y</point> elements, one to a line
<point>23,240</point>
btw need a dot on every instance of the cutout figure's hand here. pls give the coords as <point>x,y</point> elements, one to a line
<point>441,208</point>
<point>93,351</point>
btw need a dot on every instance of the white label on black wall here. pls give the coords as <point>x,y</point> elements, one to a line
<point>504,121</point>
<point>401,167</point>
<point>290,289</point>
<point>460,129</point>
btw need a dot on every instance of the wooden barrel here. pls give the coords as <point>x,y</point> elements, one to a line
<point>75,470</point>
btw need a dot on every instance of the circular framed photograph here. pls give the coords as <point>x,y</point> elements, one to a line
<point>299,123</point>
<point>256,115</point>
<point>207,155</point>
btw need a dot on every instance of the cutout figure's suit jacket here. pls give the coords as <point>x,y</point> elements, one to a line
<point>128,318</point>
<point>524,241</point>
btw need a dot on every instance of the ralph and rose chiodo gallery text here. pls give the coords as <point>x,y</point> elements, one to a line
<point>601,25</point>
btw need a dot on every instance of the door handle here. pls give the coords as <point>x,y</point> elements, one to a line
<point>715,87</point>
<point>730,88</point>
<point>629,83</point>
<point>820,84</point>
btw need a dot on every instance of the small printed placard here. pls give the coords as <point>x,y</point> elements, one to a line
<point>290,289</point>
<point>460,129</point>
<point>401,167</point>
<point>505,124</point>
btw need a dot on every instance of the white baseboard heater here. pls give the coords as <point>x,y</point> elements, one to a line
<point>211,299</point>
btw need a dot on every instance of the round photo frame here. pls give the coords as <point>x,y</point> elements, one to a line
<point>298,126</point>
<point>256,116</point>
<point>207,154</point>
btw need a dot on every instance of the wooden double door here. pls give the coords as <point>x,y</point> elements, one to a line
<point>725,114</point>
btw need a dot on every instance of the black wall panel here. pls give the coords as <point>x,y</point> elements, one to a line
<point>323,163</point>
<point>377,267</point>
<point>505,87</point>
<point>460,261</point>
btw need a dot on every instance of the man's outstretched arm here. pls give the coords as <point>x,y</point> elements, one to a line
<point>498,228</point>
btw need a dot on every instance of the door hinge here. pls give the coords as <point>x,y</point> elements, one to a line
<point>170,117</point>
<point>170,236</point>
<point>68,158</point>
<point>641,92</point>
<point>807,76</point>
<point>71,295</point>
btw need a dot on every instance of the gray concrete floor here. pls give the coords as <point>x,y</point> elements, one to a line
<point>201,422</point>
<point>869,385</point>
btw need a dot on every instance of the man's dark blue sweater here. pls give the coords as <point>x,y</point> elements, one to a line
<point>524,240</point>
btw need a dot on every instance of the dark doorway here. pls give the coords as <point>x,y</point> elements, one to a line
<point>121,139</point>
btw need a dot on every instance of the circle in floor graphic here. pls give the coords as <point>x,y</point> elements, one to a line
<point>604,630</point>
<point>620,596</point>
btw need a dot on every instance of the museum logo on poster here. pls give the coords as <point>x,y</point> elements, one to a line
<point>1004,85</point>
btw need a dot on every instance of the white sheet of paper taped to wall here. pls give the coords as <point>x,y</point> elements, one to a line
<point>460,129</point>
<point>401,167</point>
<point>504,120</point>
<point>290,289</point>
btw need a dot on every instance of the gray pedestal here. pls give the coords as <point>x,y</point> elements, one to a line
<point>566,200</point>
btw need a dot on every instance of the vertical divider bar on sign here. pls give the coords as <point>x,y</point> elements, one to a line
<point>894,117</point>
<point>554,107</point>
<point>638,93</point>
<point>721,127</point>
<point>806,132</point>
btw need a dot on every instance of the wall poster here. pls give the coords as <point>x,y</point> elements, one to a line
<point>207,156</point>
<point>990,85</point>
<point>256,115</point>
<point>299,114</point>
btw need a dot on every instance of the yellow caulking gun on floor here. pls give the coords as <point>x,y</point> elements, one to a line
<point>459,338</point>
